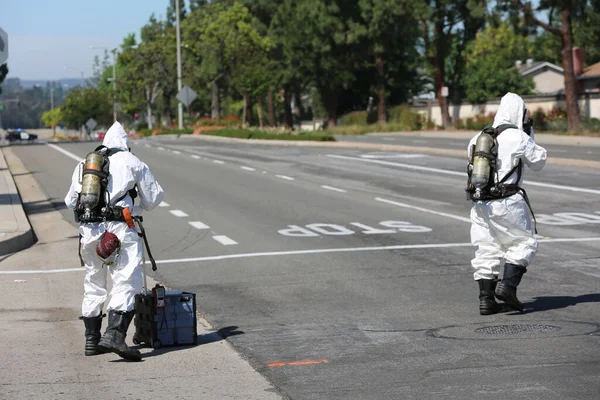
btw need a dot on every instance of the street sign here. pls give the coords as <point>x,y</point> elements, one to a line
<point>3,46</point>
<point>444,91</point>
<point>186,96</point>
<point>91,124</point>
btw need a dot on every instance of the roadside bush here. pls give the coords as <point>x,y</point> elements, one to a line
<point>475,123</point>
<point>227,120</point>
<point>256,134</point>
<point>405,119</point>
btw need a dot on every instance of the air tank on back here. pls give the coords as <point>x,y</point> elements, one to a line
<point>91,185</point>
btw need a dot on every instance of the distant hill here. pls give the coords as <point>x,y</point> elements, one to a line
<point>71,82</point>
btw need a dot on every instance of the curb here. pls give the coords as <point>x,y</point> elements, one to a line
<point>23,237</point>
<point>564,162</point>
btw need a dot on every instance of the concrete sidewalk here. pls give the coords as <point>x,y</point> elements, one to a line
<point>42,337</point>
<point>15,230</point>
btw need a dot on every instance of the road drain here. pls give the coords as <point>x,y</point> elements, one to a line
<point>516,329</point>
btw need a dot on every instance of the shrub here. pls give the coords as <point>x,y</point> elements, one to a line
<point>359,118</point>
<point>475,123</point>
<point>256,134</point>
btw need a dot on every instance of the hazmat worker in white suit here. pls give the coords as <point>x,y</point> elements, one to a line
<point>127,178</point>
<point>502,228</point>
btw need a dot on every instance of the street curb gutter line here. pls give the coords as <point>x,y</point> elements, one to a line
<point>23,237</point>
<point>565,162</point>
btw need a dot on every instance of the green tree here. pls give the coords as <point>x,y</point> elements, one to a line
<point>490,70</point>
<point>448,26</point>
<point>82,104</point>
<point>391,38</point>
<point>564,31</point>
<point>52,118</point>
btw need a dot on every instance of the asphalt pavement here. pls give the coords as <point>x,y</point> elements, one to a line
<point>347,272</point>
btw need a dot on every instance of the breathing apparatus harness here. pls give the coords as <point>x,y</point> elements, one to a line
<point>483,182</point>
<point>94,203</point>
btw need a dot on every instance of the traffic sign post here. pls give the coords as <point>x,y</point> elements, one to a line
<point>3,46</point>
<point>186,96</point>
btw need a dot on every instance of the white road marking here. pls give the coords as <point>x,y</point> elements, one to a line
<point>65,152</point>
<point>224,240</point>
<point>178,213</point>
<point>462,174</point>
<point>351,249</point>
<point>287,178</point>
<point>248,168</point>
<point>146,145</point>
<point>395,203</point>
<point>160,148</point>
<point>163,204</point>
<point>388,139</point>
<point>370,156</point>
<point>176,152</point>
<point>42,271</point>
<point>300,252</point>
<point>199,225</point>
<point>218,162</point>
<point>333,188</point>
<point>195,156</point>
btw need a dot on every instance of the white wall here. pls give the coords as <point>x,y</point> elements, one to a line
<point>589,106</point>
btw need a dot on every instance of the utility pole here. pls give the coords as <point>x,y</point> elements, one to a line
<point>179,105</point>
<point>114,51</point>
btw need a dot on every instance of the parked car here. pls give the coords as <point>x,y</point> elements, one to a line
<point>100,135</point>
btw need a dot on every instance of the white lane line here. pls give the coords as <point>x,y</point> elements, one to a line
<point>42,271</point>
<point>160,148</point>
<point>395,203</point>
<point>352,249</point>
<point>333,188</point>
<point>163,204</point>
<point>224,240</point>
<point>287,178</point>
<point>178,213</point>
<point>195,156</point>
<point>218,162</point>
<point>198,225</point>
<point>300,252</point>
<point>146,145</point>
<point>462,174</point>
<point>248,168</point>
<point>371,156</point>
<point>176,152</point>
<point>65,152</point>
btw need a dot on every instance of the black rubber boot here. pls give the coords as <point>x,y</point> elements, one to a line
<point>113,340</point>
<point>507,289</point>
<point>93,325</point>
<point>487,302</point>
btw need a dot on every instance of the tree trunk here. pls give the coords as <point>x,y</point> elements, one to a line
<point>438,66</point>
<point>571,95</point>
<point>298,100</point>
<point>167,106</point>
<point>381,108</point>
<point>260,112</point>
<point>271,109</point>
<point>332,112</point>
<point>247,109</point>
<point>149,116</point>
<point>216,101</point>
<point>287,108</point>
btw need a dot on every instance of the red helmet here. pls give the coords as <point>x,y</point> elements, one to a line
<point>107,245</point>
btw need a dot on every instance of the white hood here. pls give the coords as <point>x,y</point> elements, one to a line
<point>116,137</point>
<point>511,111</point>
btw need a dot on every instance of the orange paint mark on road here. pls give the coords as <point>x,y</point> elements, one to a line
<point>283,364</point>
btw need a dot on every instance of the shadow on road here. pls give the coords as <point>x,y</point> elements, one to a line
<point>546,303</point>
<point>212,337</point>
<point>43,206</point>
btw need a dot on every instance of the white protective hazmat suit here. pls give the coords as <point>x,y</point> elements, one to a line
<point>502,230</point>
<point>126,171</point>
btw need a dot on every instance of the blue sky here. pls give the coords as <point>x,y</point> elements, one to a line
<point>45,36</point>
